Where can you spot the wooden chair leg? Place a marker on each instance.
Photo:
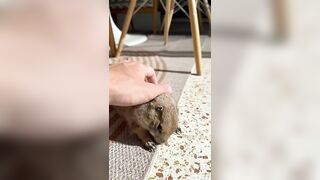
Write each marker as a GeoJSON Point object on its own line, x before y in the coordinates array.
{"type": "Point", "coordinates": [171, 13]}
{"type": "Point", "coordinates": [125, 26]}
{"type": "Point", "coordinates": [195, 35]}
{"type": "Point", "coordinates": [132, 25]}
{"type": "Point", "coordinates": [112, 43]}
{"type": "Point", "coordinates": [200, 18]}
{"type": "Point", "coordinates": [280, 18]}
{"type": "Point", "coordinates": [162, 26]}
{"type": "Point", "coordinates": [207, 10]}
{"type": "Point", "coordinates": [155, 16]}
{"type": "Point", "coordinates": [168, 19]}
{"type": "Point", "coordinates": [162, 20]}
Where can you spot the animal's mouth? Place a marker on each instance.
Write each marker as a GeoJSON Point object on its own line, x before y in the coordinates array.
{"type": "Point", "coordinates": [157, 140]}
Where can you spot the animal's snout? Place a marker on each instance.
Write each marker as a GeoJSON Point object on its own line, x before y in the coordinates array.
{"type": "Point", "coordinates": [160, 140]}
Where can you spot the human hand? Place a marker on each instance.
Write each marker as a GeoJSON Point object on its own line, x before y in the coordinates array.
{"type": "Point", "coordinates": [132, 83]}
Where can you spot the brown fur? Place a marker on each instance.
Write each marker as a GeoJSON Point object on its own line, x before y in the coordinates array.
{"type": "Point", "coordinates": [144, 120]}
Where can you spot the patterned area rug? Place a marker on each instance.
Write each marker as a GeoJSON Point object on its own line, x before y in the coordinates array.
{"type": "Point", "coordinates": [127, 158]}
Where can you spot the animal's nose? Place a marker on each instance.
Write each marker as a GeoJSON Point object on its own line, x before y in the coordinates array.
{"type": "Point", "coordinates": [160, 141]}
{"type": "Point", "coordinates": [164, 140]}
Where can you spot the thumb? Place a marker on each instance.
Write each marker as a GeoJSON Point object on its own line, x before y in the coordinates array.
{"type": "Point", "coordinates": [164, 88]}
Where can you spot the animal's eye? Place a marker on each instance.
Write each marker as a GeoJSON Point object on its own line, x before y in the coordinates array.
{"type": "Point", "coordinates": [159, 108]}
{"type": "Point", "coordinates": [159, 128]}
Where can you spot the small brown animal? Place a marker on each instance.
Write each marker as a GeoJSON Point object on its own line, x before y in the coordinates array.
{"type": "Point", "coordinates": [153, 122]}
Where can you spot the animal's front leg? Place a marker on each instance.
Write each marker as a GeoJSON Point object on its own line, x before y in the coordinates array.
{"type": "Point", "coordinates": [145, 137]}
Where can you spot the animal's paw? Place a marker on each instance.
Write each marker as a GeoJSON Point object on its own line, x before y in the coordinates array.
{"type": "Point", "coordinates": [151, 146]}
{"type": "Point", "coordinates": [178, 130]}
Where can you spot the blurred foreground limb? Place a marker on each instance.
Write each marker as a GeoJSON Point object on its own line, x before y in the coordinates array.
{"type": "Point", "coordinates": [53, 90]}
{"type": "Point", "coordinates": [53, 68]}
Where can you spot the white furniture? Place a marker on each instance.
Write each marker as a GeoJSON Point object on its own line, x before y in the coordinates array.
{"type": "Point", "coordinates": [131, 39]}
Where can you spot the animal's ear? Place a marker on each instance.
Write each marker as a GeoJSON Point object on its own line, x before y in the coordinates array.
{"type": "Point", "coordinates": [159, 108]}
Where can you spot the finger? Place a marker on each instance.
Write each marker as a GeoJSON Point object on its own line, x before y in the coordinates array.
{"type": "Point", "coordinates": [150, 75]}
{"type": "Point", "coordinates": [152, 90]}
{"type": "Point", "coordinates": [146, 92]}
{"type": "Point", "coordinates": [166, 87]}
{"type": "Point", "coordinates": [151, 79]}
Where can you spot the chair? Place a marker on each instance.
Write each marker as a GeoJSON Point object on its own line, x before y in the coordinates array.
{"type": "Point", "coordinates": [203, 7]}
{"type": "Point", "coordinates": [169, 12]}
{"type": "Point", "coordinates": [193, 9]}
{"type": "Point", "coordinates": [144, 6]}
{"type": "Point", "coordinates": [112, 43]}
